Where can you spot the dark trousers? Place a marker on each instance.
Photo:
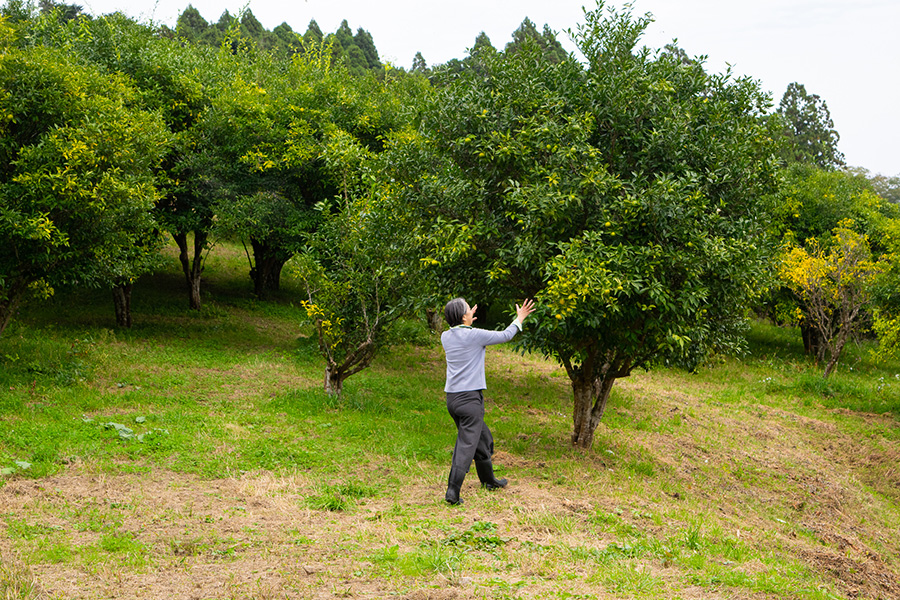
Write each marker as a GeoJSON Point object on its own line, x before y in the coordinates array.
{"type": "Point", "coordinates": [473, 438]}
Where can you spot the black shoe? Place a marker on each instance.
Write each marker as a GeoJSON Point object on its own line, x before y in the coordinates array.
{"type": "Point", "coordinates": [454, 483]}
{"type": "Point", "coordinates": [486, 474]}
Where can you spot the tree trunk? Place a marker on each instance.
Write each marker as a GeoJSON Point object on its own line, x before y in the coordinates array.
{"type": "Point", "coordinates": [9, 302]}
{"type": "Point", "coordinates": [122, 301]}
{"type": "Point", "coordinates": [591, 394]}
{"type": "Point", "coordinates": [334, 381]}
{"type": "Point", "coordinates": [266, 272]}
{"type": "Point", "coordinates": [192, 266]}
{"type": "Point", "coordinates": [813, 343]}
{"type": "Point", "coordinates": [435, 320]}
{"type": "Point", "coordinates": [835, 349]}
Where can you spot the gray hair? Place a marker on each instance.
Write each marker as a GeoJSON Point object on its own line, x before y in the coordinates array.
{"type": "Point", "coordinates": [454, 312]}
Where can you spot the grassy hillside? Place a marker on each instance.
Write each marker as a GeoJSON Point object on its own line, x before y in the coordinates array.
{"type": "Point", "coordinates": [195, 456]}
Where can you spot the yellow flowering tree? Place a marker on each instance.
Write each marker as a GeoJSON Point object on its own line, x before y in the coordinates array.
{"type": "Point", "coordinates": [814, 202]}
{"type": "Point", "coordinates": [834, 284]}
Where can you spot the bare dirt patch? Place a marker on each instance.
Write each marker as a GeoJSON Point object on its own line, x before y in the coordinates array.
{"type": "Point", "coordinates": [793, 477]}
{"type": "Point", "coordinates": [254, 537]}
{"type": "Point", "coordinates": [780, 484]}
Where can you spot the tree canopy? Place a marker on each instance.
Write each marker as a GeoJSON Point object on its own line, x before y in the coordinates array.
{"type": "Point", "coordinates": [78, 162]}
{"type": "Point", "coordinates": [626, 194]}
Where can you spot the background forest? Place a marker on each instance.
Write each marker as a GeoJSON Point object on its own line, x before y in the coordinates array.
{"type": "Point", "coordinates": [666, 220]}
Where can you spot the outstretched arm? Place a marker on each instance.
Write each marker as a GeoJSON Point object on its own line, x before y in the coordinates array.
{"type": "Point", "coordinates": [489, 338]}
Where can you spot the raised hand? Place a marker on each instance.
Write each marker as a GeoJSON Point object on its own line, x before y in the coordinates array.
{"type": "Point", "coordinates": [526, 309]}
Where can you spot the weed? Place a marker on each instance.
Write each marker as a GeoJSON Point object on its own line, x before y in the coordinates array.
{"type": "Point", "coordinates": [626, 578]}
{"type": "Point", "coordinates": [551, 522]}
{"type": "Point", "coordinates": [420, 562]}
{"type": "Point", "coordinates": [19, 529]}
{"type": "Point", "coordinates": [17, 582]}
{"type": "Point", "coordinates": [480, 536]}
{"type": "Point", "coordinates": [339, 497]}
{"type": "Point", "coordinates": [693, 538]}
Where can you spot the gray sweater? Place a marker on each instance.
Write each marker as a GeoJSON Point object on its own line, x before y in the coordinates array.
{"type": "Point", "coordinates": [464, 348]}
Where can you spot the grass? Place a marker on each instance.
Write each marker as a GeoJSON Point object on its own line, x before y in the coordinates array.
{"type": "Point", "coordinates": [201, 442]}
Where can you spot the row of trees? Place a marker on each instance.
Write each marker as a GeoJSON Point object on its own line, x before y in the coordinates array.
{"type": "Point", "coordinates": [648, 206]}
{"type": "Point", "coordinates": [357, 51]}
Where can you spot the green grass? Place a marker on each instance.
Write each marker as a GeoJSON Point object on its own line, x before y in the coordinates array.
{"type": "Point", "coordinates": [752, 476]}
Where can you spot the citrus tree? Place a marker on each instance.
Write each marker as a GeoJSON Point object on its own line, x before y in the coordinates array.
{"type": "Point", "coordinates": [283, 136]}
{"type": "Point", "coordinates": [360, 268]}
{"type": "Point", "coordinates": [626, 194]}
{"type": "Point", "coordinates": [172, 80]}
{"type": "Point", "coordinates": [360, 276]}
{"type": "Point", "coordinates": [77, 161]}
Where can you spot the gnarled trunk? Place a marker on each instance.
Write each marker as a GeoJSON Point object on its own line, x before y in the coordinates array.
{"type": "Point", "coordinates": [813, 342]}
{"type": "Point", "coordinates": [591, 395]}
{"type": "Point", "coordinates": [435, 320]}
{"type": "Point", "coordinates": [122, 302]}
{"type": "Point", "coordinates": [192, 266]}
{"type": "Point", "coordinates": [334, 381]}
{"type": "Point", "coordinates": [353, 363]}
{"type": "Point", "coordinates": [592, 382]}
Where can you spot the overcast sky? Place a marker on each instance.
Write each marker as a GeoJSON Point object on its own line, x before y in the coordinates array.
{"type": "Point", "coordinates": [846, 52]}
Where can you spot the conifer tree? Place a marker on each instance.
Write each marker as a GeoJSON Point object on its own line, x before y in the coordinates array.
{"type": "Point", "coordinates": [363, 40]}
{"type": "Point", "coordinates": [419, 65]}
{"type": "Point", "coordinates": [191, 25]}
{"type": "Point", "coordinates": [809, 128]}
{"type": "Point", "coordinates": [313, 34]}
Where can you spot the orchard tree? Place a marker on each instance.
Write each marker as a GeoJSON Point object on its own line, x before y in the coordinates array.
{"type": "Point", "coordinates": [284, 137]}
{"type": "Point", "coordinates": [360, 277]}
{"type": "Point", "coordinates": [627, 194]}
{"type": "Point", "coordinates": [77, 162]}
{"type": "Point", "coordinates": [173, 80]}
{"type": "Point", "coordinates": [243, 137]}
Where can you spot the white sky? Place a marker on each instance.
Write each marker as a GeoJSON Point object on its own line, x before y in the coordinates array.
{"type": "Point", "coordinates": [844, 51]}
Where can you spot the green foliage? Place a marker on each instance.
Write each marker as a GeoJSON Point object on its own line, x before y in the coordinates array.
{"type": "Point", "coordinates": [170, 79]}
{"type": "Point", "coordinates": [284, 137]}
{"type": "Point", "coordinates": [809, 129]}
{"type": "Point", "coordinates": [626, 194]}
{"type": "Point", "coordinates": [78, 177]}
{"type": "Point", "coordinates": [814, 201]}
{"type": "Point", "coordinates": [360, 276]}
